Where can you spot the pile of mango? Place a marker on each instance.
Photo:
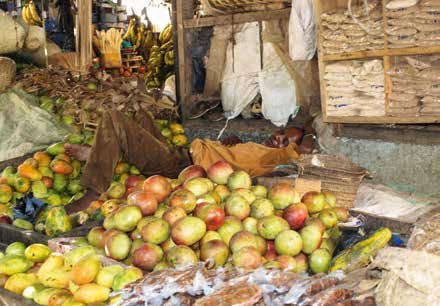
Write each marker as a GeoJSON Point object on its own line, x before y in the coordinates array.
{"type": "Point", "coordinates": [173, 132]}
{"type": "Point", "coordinates": [75, 278]}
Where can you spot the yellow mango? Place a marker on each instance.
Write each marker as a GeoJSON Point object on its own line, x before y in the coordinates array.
{"type": "Point", "coordinates": [20, 281]}
{"type": "Point", "coordinates": [85, 270]}
{"type": "Point", "coordinates": [91, 293]}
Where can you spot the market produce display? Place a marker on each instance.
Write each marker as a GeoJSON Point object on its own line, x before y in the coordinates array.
{"type": "Point", "coordinates": [219, 216]}
{"type": "Point", "coordinates": [84, 101]}
{"type": "Point", "coordinates": [415, 86]}
{"type": "Point", "coordinates": [158, 52]}
{"type": "Point", "coordinates": [342, 32]}
{"type": "Point", "coordinates": [173, 132]}
{"type": "Point", "coordinates": [75, 278]}
{"type": "Point", "coordinates": [355, 88]}
{"type": "Point", "coordinates": [412, 23]}
{"type": "Point", "coordinates": [30, 14]}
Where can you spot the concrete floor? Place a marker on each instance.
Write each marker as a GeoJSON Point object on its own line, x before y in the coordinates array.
{"type": "Point", "coordinates": [406, 166]}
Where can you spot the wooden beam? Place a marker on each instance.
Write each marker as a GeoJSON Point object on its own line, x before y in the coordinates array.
{"type": "Point", "coordinates": [382, 120]}
{"type": "Point", "coordinates": [237, 18]}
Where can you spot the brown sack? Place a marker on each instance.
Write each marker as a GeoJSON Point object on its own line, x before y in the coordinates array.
{"type": "Point", "coordinates": [251, 157]}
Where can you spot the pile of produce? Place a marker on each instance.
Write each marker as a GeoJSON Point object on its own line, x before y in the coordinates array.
{"type": "Point", "coordinates": [75, 278]}
{"type": "Point", "coordinates": [219, 216]}
{"type": "Point", "coordinates": [173, 132]}
{"type": "Point", "coordinates": [83, 102]}
{"type": "Point", "coordinates": [158, 52]}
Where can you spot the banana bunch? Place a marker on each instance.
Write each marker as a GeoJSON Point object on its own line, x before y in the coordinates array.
{"type": "Point", "coordinates": [30, 14]}
{"type": "Point", "coordinates": [166, 35]}
{"type": "Point", "coordinates": [139, 35]}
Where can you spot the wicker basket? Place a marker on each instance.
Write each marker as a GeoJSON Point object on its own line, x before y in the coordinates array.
{"type": "Point", "coordinates": [231, 6]}
{"type": "Point", "coordinates": [337, 174]}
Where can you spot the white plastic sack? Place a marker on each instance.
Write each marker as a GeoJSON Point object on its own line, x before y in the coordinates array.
{"type": "Point", "coordinates": [169, 88]}
{"type": "Point", "coordinates": [302, 31]}
{"type": "Point", "coordinates": [12, 34]}
{"type": "Point", "coordinates": [243, 78]}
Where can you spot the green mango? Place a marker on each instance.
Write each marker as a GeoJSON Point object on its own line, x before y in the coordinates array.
{"type": "Point", "coordinates": [57, 222]}
{"type": "Point", "coordinates": [107, 274]}
{"type": "Point", "coordinates": [65, 199]}
{"type": "Point", "coordinates": [10, 175]}
{"type": "Point", "coordinates": [134, 171]}
{"type": "Point", "coordinates": [59, 182]}
{"type": "Point", "coordinates": [75, 138]}
{"type": "Point", "coordinates": [13, 264]}
{"type": "Point", "coordinates": [89, 140]}
{"type": "Point", "coordinates": [8, 170]}
{"type": "Point", "coordinates": [42, 297]}
{"type": "Point", "coordinates": [68, 120]}
{"type": "Point", "coordinates": [15, 248]}
{"type": "Point", "coordinates": [72, 257]}
{"type": "Point", "coordinates": [54, 200]}
{"type": "Point", "coordinates": [76, 165]}
{"type": "Point", "coordinates": [74, 186]}
{"type": "Point", "coordinates": [45, 171]}
{"type": "Point", "coordinates": [56, 149]}
{"type": "Point", "coordinates": [128, 276]}
{"type": "Point", "coordinates": [20, 223]}
{"type": "Point", "coordinates": [39, 190]}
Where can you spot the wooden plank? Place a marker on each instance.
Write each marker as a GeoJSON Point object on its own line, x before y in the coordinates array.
{"type": "Point", "coordinates": [382, 120]}
{"type": "Point", "coordinates": [380, 53]}
{"type": "Point", "coordinates": [236, 18]}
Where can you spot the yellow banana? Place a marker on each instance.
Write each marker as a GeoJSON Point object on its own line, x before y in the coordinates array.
{"type": "Point", "coordinates": [33, 13]}
{"type": "Point", "coordinates": [25, 15]}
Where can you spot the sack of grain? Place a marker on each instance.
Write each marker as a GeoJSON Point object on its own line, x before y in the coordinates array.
{"type": "Point", "coordinates": [405, 12]}
{"type": "Point", "coordinates": [400, 4]}
{"type": "Point", "coordinates": [409, 103]}
{"type": "Point", "coordinates": [432, 74]}
{"type": "Point", "coordinates": [401, 96]}
{"type": "Point", "coordinates": [12, 34]}
{"type": "Point", "coordinates": [7, 73]}
{"type": "Point", "coordinates": [35, 38]}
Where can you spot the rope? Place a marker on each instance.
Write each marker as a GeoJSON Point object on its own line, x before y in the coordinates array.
{"type": "Point", "coordinates": [223, 129]}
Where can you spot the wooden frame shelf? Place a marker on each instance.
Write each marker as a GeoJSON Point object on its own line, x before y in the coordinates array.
{"type": "Point", "coordinates": [384, 54]}
{"type": "Point", "coordinates": [236, 18]}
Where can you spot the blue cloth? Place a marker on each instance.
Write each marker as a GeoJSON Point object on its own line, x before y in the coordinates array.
{"type": "Point", "coordinates": [28, 208]}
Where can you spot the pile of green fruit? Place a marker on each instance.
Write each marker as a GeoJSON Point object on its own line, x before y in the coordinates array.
{"type": "Point", "coordinates": [173, 132]}
{"type": "Point", "coordinates": [219, 215]}
{"type": "Point", "coordinates": [75, 278]}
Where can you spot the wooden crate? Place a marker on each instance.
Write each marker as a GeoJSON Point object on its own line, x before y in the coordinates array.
{"type": "Point", "coordinates": [384, 53]}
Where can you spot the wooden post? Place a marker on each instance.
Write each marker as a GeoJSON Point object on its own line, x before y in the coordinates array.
{"type": "Point", "coordinates": [184, 10]}
{"type": "Point", "coordinates": [84, 36]}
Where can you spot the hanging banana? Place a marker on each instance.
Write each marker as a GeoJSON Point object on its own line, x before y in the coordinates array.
{"type": "Point", "coordinates": [33, 13]}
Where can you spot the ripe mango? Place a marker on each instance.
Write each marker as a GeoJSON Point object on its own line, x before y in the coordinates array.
{"type": "Point", "coordinates": [5, 193]}
{"type": "Point", "coordinates": [56, 149]}
{"type": "Point", "coordinates": [54, 200]}
{"type": "Point", "coordinates": [72, 257]}
{"type": "Point", "coordinates": [61, 166]}
{"type": "Point", "coordinates": [42, 297]}
{"type": "Point", "coordinates": [85, 270]}
{"type": "Point", "coordinates": [31, 162]}
{"type": "Point", "coordinates": [13, 264]}
{"type": "Point", "coordinates": [91, 293]}
{"type": "Point", "coordinates": [57, 278]}
{"type": "Point", "coordinates": [59, 298]}
{"type": "Point", "coordinates": [22, 184]}
{"type": "Point", "coordinates": [43, 159]}
{"type": "Point", "coordinates": [63, 156]}
{"type": "Point", "coordinates": [53, 262]}
{"type": "Point", "coordinates": [76, 166]}
{"type": "Point", "coordinates": [20, 281]}
{"type": "Point", "coordinates": [128, 276]}
{"type": "Point", "coordinates": [59, 182]}
{"type": "Point", "coordinates": [30, 172]}
{"type": "Point", "coordinates": [45, 171]}
{"type": "Point", "coordinates": [39, 190]}
{"type": "Point", "coordinates": [122, 168]}
{"type": "Point", "coordinates": [107, 274]}
{"type": "Point", "coordinates": [37, 252]}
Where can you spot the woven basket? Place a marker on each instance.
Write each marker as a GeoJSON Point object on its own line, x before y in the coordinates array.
{"type": "Point", "coordinates": [337, 174]}
{"type": "Point", "coordinates": [230, 6]}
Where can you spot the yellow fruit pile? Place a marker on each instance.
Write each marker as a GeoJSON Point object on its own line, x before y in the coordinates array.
{"type": "Point", "coordinates": [47, 278]}
{"type": "Point", "coordinates": [30, 14]}
{"type": "Point", "coordinates": [173, 132]}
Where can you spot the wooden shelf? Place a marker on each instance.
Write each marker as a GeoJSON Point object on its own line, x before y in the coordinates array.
{"type": "Point", "coordinates": [382, 120]}
{"type": "Point", "coordinates": [236, 18]}
{"type": "Point", "coordinates": [380, 53]}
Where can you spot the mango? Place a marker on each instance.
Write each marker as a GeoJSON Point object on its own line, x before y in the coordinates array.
{"type": "Point", "coordinates": [54, 200]}
{"type": "Point", "coordinates": [59, 182]}
{"type": "Point", "coordinates": [5, 193]}
{"type": "Point", "coordinates": [45, 171]}
{"type": "Point", "coordinates": [31, 162]}
{"type": "Point", "coordinates": [75, 138]}
{"type": "Point", "coordinates": [39, 190]}
{"type": "Point", "coordinates": [15, 248]}
{"type": "Point", "coordinates": [76, 166]}
{"type": "Point", "coordinates": [86, 269]}
{"type": "Point", "coordinates": [72, 257]}
{"type": "Point", "coordinates": [130, 275]}
{"type": "Point", "coordinates": [30, 291]}
{"type": "Point", "coordinates": [59, 298]}
{"type": "Point", "coordinates": [43, 159]}
{"type": "Point", "coordinates": [22, 184]}
{"type": "Point", "coordinates": [57, 278]}
{"type": "Point", "coordinates": [30, 172]}
{"type": "Point", "coordinates": [74, 186]}
{"type": "Point", "coordinates": [42, 297]}
{"type": "Point", "coordinates": [122, 168]}
{"type": "Point", "coordinates": [52, 263]}
{"type": "Point", "coordinates": [63, 156]}
{"type": "Point", "coordinates": [107, 274]}
{"type": "Point", "coordinates": [37, 252]}
{"type": "Point", "coordinates": [61, 166]}
{"type": "Point", "coordinates": [20, 223]}
{"type": "Point", "coordinates": [56, 149]}
{"type": "Point", "coordinates": [20, 281]}
{"type": "Point", "coordinates": [8, 171]}
{"type": "Point", "coordinates": [91, 293]}
{"type": "Point", "coordinates": [13, 264]}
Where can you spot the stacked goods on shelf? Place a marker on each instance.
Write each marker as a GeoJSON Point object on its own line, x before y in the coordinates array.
{"type": "Point", "coordinates": [355, 88]}
{"type": "Point", "coordinates": [340, 32]}
{"type": "Point", "coordinates": [413, 23]}
{"type": "Point", "coordinates": [415, 89]}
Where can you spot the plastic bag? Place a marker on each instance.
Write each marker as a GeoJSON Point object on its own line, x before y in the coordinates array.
{"type": "Point", "coordinates": [12, 34]}
{"type": "Point", "coordinates": [25, 127]}
{"type": "Point", "coordinates": [302, 41]}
